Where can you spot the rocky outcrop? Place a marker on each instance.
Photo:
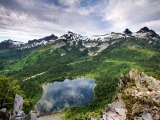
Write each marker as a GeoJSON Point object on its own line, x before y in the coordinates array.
{"type": "Point", "coordinates": [144, 29]}
{"type": "Point", "coordinates": [17, 113]}
{"type": "Point", "coordinates": [48, 38]}
{"type": "Point", "coordinates": [3, 114]}
{"type": "Point", "coordinates": [148, 32]}
{"type": "Point", "coordinates": [51, 117]}
{"type": "Point", "coordinates": [116, 110]}
{"type": "Point", "coordinates": [138, 98]}
{"type": "Point", "coordinates": [32, 115]}
{"type": "Point", "coordinates": [127, 31]}
{"type": "Point", "coordinates": [7, 44]}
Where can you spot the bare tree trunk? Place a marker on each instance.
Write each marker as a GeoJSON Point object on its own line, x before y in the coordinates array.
{"type": "Point", "coordinates": [4, 100]}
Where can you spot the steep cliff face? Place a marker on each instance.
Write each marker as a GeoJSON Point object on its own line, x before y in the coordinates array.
{"type": "Point", "coordinates": [138, 98]}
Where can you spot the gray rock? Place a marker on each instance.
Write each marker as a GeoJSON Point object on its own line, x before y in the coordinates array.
{"type": "Point", "coordinates": [147, 116]}
{"type": "Point", "coordinates": [117, 111]}
{"type": "Point", "coordinates": [17, 113]}
{"type": "Point", "coordinates": [18, 103]}
{"type": "Point", "coordinates": [3, 114]}
{"type": "Point", "coordinates": [3, 110]}
{"type": "Point", "coordinates": [145, 93]}
{"type": "Point", "coordinates": [93, 119]}
{"type": "Point", "coordinates": [32, 116]}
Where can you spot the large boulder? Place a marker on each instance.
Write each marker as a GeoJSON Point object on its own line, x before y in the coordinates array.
{"type": "Point", "coordinates": [3, 114]}
{"type": "Point", "coordinates": [32, 116]}
{"type": "Point", "coordinates": [115, 110]}
{"type": "Point", "coordinates": [17, 112]}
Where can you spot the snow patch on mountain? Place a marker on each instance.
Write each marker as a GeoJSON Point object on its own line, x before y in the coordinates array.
{"type": "Point", "coordinates": [6, 44]}
{"type": "Point", "coordinates": [86, 41]}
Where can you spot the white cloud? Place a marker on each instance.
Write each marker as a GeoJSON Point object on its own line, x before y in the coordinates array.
{"type": "Point", "coordinates": [154, 25]}
{"type": "Point", "coordinates": [132, 14]}
{"type": "Point", "coordinates": [46, 19]}
{"type": "Point", "coordinates": [69, 2]}
{"type": "Point", "coordinates": [41, 18]}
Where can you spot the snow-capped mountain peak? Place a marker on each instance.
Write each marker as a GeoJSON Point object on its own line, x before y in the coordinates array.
{"type": "Point", "coordinates": [87, 41]}
{"type": "Point", "coordinates": [107, 37]}
{"type": "Point", "coordinates": [31, 43]}
{"type": "Point", "coordinates": [147, 33]}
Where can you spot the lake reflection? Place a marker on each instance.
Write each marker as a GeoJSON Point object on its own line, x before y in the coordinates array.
{"type": "Point", "coordinates": [62, 94]}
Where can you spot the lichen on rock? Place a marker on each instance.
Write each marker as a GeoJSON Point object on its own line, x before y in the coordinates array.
{"type": "Point", "coordinates": [138, 99]}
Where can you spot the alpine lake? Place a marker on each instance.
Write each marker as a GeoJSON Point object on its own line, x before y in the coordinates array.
{"type": "Point", "coordinates": [62, 94]}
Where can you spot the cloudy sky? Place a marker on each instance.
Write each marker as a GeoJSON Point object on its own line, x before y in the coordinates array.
{"type": "Point", "coordinates": [24, 20]}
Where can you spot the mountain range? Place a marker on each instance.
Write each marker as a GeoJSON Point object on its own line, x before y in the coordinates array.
{"type": "Point", "coordinates": [101, 57]}
{"type": "Point", "coordinates": [73, 38]}
{"type": "Point", "coordinates": [6, 44]}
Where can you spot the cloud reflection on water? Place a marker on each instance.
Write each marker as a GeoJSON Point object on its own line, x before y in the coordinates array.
{"type": "Point", "coordinates": [60, 95]}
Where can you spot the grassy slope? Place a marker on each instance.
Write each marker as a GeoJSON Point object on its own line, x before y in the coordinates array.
{"type": "Point", "coordinates": [12, 56]}
{"type": "Point", "coordinates": [104, 68]}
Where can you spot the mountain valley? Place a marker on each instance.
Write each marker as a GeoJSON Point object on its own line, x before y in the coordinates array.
{"type": "Point", "coordinates": [101, 57]}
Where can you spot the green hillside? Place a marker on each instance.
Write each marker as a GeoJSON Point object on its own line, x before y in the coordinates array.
{"type": "Point", "coordinates": [46, 64]}
{"type": "Point", "coordinates": [12, 56]}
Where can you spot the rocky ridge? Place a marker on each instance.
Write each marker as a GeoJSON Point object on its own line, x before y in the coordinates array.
{"type": "Point", "coordinates": [6, 44]}
{"type": "Point", "coordinates": [142, 33]}
{"type": "Point", "coordinates": [138, 98]}
{"type": "Point", "coordinates": [17, 113]}
{"type": "Point", "coordinates": [93, 41]}
{"type": "Point", "coordinates": [100, 41]}
{"type": "Point", "coordinates": [146, 33]}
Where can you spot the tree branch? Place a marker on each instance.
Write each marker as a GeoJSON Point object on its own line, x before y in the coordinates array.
{"type": "Point", "coordinates": [8, 104]}
{"type": "Point", "coordinates": [4, 100]}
